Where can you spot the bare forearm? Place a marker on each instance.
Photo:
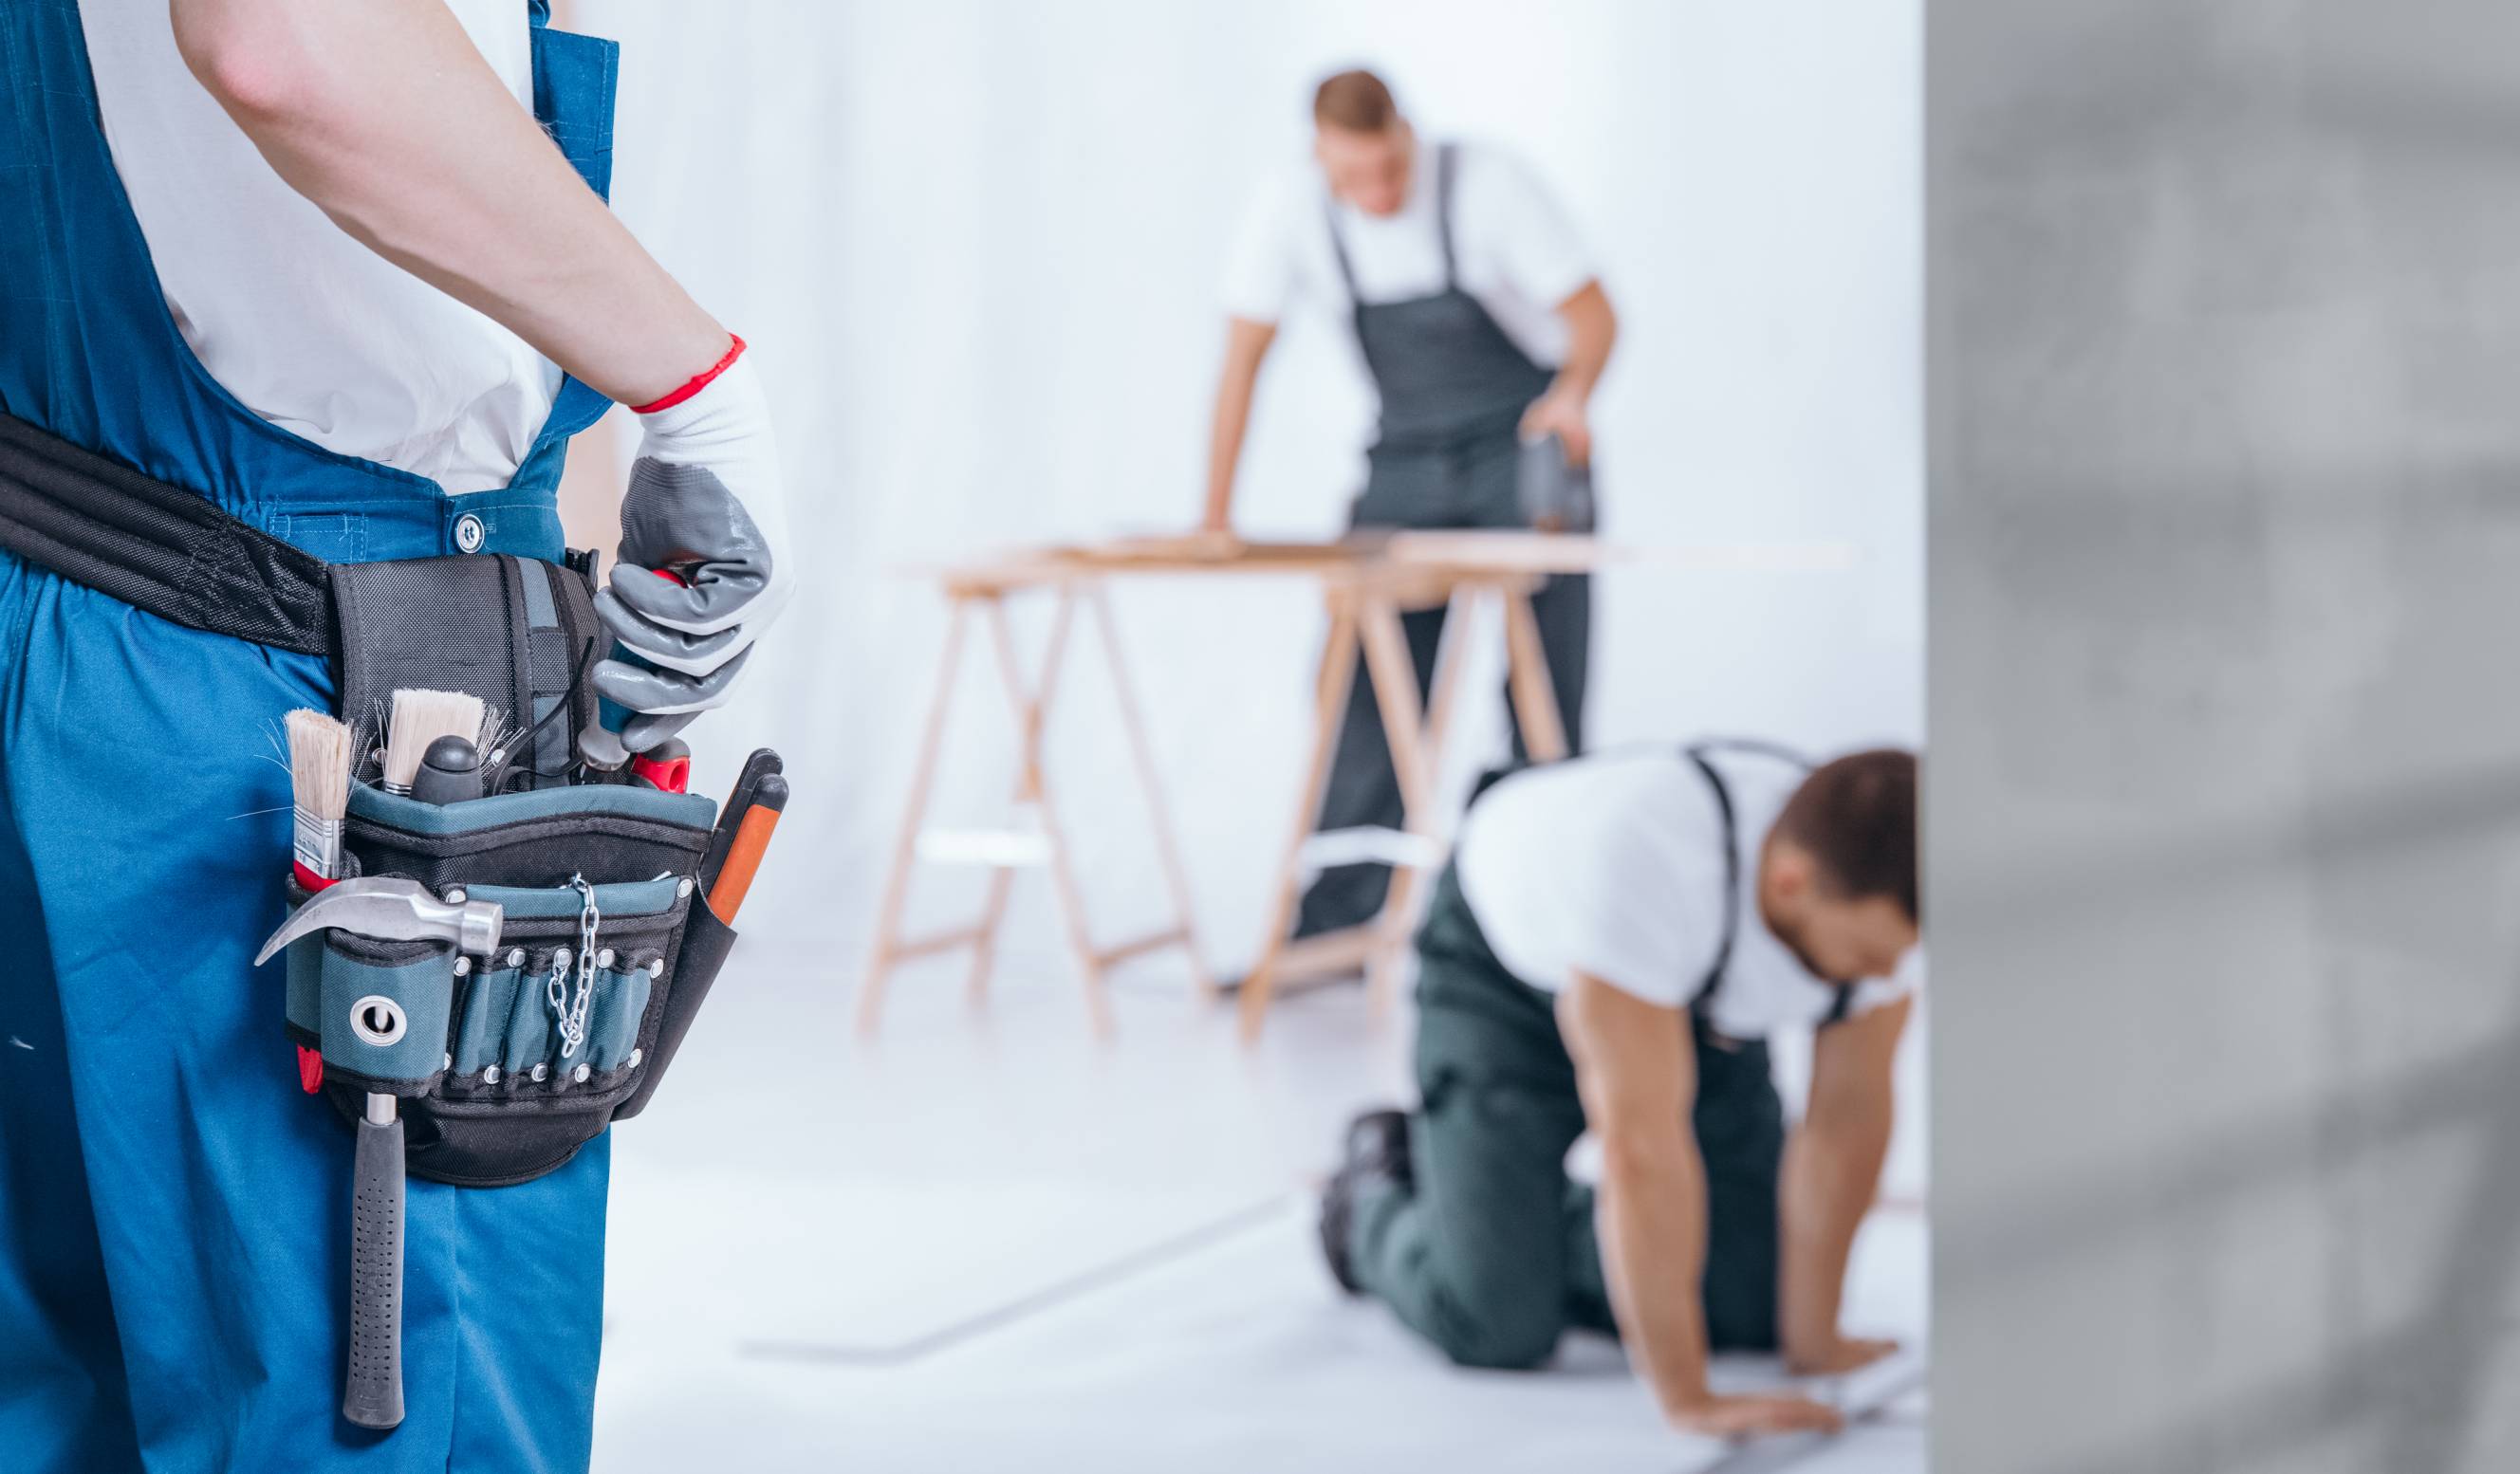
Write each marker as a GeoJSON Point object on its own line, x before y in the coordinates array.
{"type": "Point", "coordinates": [1225, 440]}
{"type": "Point", "coordinates": [1651, 1221]}
{"type": "Point", "coordinates": [386, 118]}
{"type": "Point", "coordinates": [1830, 1179]}
{"type": "Point", "coordinates": [1592, 332]}
{"type": "Point", "coordinates": [1246, 344]}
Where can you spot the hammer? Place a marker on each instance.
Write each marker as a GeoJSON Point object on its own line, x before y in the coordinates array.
{"type": "Point", "coordinates": [387, 908]}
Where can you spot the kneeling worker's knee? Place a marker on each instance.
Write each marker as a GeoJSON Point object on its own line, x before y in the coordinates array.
{"type": "Point", "coordinates": [1512, 1341]}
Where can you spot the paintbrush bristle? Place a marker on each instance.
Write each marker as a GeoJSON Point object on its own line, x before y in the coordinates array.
{"type": "Point", "coordinates": [319, 762]}
{"type": "Point", "coordinates": [420, 718]}
{"type": "Point", "coordinates": [319, 784]}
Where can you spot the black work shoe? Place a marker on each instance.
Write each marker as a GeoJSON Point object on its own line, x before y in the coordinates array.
{"type": "Point", "coordinates": [1376, 1153]}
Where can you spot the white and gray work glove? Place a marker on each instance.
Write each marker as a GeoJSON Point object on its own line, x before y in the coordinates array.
{"type": "Point", "coordinates": [704, 506]}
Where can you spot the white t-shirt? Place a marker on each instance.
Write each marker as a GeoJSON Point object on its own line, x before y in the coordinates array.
{"type": "Point", "coordinates": [304, 325]}
{"type": "Point", "coordinates": [1613, 864]}
{"type": "Point", "coordinates": [1512, 248]}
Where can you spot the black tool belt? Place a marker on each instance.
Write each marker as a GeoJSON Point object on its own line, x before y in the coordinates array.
{"type": "Point", "coordinates": [506, 1062]}
{"type": "Point", "coordinates": [515, 632]}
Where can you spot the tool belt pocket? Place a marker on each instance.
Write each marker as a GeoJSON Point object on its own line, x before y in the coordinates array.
{"type": "Point", "coordinates": [507, 1062]}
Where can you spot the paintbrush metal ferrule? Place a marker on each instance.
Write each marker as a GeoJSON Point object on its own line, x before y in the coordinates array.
{"type": "Point", "coordinates": [317, 846]}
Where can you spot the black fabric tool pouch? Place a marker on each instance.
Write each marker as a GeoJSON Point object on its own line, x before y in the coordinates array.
{"type": "Point", "coordinates": [516, 632]}
{"type": "Point", "coordinates": [507, 1062]}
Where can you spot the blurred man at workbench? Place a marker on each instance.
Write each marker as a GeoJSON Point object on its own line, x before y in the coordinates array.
{"type": "Point", "coordinates": [1483, 329]}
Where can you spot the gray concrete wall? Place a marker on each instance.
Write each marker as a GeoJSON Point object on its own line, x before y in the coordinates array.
{"type": "Point", "coordinates": [2224, 820]}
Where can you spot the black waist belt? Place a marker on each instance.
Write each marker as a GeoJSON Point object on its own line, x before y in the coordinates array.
{"type": "Point", "coordinates": [156, 546]}
{"type": "Point", "coordinates": [515, 632]}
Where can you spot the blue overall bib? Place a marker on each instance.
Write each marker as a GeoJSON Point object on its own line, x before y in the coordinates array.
{"type": "Point", "coordinates": [174, 1212]}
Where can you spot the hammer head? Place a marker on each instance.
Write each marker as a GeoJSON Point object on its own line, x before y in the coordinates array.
{"type": "Point", "coordinates": [391, 909]}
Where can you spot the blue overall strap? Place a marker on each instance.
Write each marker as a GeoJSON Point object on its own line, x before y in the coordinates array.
{"type": "Point", "coordinates": [574, 78]}
{"type": "Point", "coordinates": [90, 352]}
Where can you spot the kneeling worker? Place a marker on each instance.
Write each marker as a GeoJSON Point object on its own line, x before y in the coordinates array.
{"type": "Point", "coordinates": [1616, 938]}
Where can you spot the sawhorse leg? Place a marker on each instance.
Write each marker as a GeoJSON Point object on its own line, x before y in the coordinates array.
{"type": "Point", "coordinates": [1030, 706]}
{"type": "Point", "coordinates": [1330, 705]}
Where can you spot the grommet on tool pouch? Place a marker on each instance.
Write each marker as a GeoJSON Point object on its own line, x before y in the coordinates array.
{"type": "Point", "coordinates": [378, 1020]}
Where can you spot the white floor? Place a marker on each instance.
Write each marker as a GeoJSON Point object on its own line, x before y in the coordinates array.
{"type": "Point", "coordinates": [987, 1242]}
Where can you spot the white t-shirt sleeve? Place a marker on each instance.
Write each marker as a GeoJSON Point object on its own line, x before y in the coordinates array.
{"type": "Point", "coordinates": [1261, 270]}
{"type": "Point", "coordinates": [1881, 992]}
{"type": "Point", "coordinates": [1516, 220]}
{"type": "Point", "coordinates": [1607, 870]}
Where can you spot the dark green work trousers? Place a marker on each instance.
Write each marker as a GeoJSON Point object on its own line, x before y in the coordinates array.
{"type": "Point", "coordinates": [1491, 1255]}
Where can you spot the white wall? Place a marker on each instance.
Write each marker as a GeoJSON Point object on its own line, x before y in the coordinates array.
{"type": "Point", "coordinates": [976, 246]}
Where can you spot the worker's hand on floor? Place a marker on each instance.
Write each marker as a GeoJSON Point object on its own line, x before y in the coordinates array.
{"type": "Point", "coordinates": [1753, 1414]}
{"type": "Point", "coordinates": [704, 507]}
{"type": "Point", "coordinates": [1836, 1356]}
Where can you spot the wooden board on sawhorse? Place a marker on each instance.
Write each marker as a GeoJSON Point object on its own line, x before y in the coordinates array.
{"type": "Point", "coordinates": [982, 594]}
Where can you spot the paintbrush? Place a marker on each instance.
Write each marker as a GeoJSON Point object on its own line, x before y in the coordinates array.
{"type": "Point", "coordinates": [319, 783]}
{"type": "Point", "coordinates": [420, 718]}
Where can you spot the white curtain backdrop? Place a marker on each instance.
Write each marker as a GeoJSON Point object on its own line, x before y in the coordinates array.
{"type": "Point", "coordinates": [976, 247]}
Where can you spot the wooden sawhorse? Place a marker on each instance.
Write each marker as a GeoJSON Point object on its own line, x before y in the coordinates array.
{"type": "Point", "coordinates": [1365, 603]}
{"type": "Point", "coordinates": [982, 593]}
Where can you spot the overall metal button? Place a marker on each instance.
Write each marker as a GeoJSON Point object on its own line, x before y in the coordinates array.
{"type": "Point", "coordinates": [468, 533]}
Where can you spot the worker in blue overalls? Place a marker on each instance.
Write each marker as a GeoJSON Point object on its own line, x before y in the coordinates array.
{"type": "Point", "coordinates": [338, 271]}
{"type": "Point", "coordinates": [1479, 319]}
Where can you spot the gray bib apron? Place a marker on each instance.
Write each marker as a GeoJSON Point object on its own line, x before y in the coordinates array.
{"type": "Point", "coordinates": [1454, 389]}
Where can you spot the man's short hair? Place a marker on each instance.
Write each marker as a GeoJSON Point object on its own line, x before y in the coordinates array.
{"type": "Point", "coordinates": [1857, 816]}
{"type": "Point", "coordinates": [1355, 102]}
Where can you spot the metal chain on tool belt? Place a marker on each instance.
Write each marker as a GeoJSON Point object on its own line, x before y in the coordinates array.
{"type": "Point", "coordinates": [572, 1012]}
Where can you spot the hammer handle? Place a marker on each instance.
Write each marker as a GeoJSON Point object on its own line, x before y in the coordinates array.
{"type": "Point", "coordinates": [373, 1397]}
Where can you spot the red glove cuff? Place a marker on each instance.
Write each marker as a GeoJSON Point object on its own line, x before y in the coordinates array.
{"type": "Point", "coordinates": [698, 382]}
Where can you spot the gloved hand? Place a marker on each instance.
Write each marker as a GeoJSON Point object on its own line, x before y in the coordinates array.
{"type": "Point", "coordinates": [704, 506]}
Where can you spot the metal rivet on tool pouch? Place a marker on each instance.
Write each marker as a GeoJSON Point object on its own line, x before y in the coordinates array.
{"type": "Point", "coordinates": [656, 969]}
{"type": "Point", "coordinates": [541, 1072]}
{"type": "Point", "coordinates": [635, 1056]}
{"type": "Point", "coordinates": [581, 1072]}
{"type": "Point", "coordinates": [468, 533]}
{"type": "Point", "coordinates": [516, 957]}
{"type": "Point", "coordinates": [604, 959]}
{"type": "Point", "coordinates": [449, 1064]}
{"type": "Point", "coordinates": [490, 1076]}
{"type": "Point", "coordinates": [454, 895]}
{"type": "Point", "coordinates": [463, 967]}
{"type": "Point", "coordinates": [682, 887]}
